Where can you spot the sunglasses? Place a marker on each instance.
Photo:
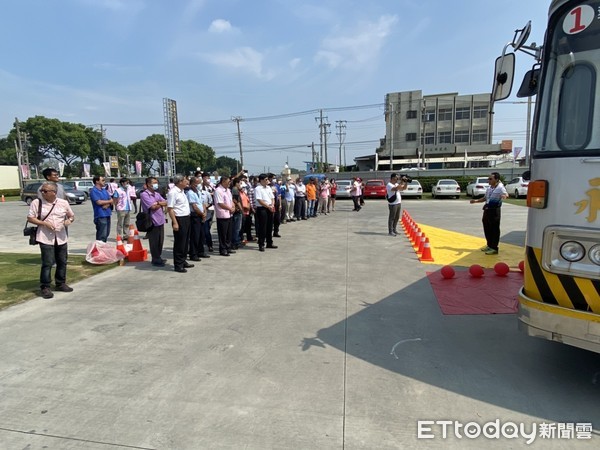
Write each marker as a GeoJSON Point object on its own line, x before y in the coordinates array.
{"type": "Point", "coordinates": [44, 191]}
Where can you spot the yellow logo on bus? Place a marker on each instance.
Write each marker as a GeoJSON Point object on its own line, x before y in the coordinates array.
{"type": "Point", "coordinates": [592, 202]}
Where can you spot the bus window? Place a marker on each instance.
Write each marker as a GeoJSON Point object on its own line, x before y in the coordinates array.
{"type": "Point", "coordinates": [576, 107]}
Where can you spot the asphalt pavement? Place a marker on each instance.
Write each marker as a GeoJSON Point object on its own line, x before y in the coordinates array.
{"type": "Point", "coordinates": [334, 340]}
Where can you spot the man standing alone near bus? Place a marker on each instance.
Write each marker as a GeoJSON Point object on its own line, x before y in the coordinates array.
{"type": "Point", "coordinates": [493, 197]}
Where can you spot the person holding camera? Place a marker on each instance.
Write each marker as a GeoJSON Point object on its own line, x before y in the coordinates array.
{"type": "Point", "coordinates": [493, 197]}
{"type": "Point", "coordinates": [394, 198]}
{"type": "Point", "coordinates": [52, 216]}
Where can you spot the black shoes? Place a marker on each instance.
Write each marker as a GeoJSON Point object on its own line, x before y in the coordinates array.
{"type": "Point", "coordinates": [47, 292]}
{"type": "Point", "coordinates": [272, 246]}
{"type": "Point", "coordinates": [231, 251]}
{"type": "Point", "coordinates": [187, 265]}
{"type": "Point", "coordinates": [261, 249]}
{"type": "Point", "coordinates": [204, 255]}
{"type": "Point", "coordinates": [64, 288]}
{"type": "Point", "coordinates": [194, 258]}
{"type": "Point", "coordinates": [210, 249]}
{"type": "Point", "coordinates": [180, 270]}
{"type": "Point", "coordinates": [224, 254]}
{"type": "Point", "coordinates": [276, 235]}
{"type": "Point", "coordinates": [158, 264]}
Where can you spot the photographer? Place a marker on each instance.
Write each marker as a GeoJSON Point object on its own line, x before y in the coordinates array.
{"type": "Point", "coordinates": [393, 189]}
{"type": "Point", "coordinates": [52, 216]}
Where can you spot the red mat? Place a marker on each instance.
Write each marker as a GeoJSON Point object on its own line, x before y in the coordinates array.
{"type": "Point", "coordinates": [464, 294]}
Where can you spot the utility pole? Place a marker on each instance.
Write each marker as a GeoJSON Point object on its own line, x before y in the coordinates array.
{"type": "Point", "coordinates": [323, 138]}
{"type": "Point", "coordinates": [393, 125]}
{"type": "Point", "coordinates": [103, 142]}
{"type": "Point", "coordinates": [22, 143]}
{"type": "Point", "coordinates": [340, 126]}
{"type": "Point", "coordinates": [237, 120]}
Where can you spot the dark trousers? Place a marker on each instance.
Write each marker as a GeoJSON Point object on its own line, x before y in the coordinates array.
{"type": "Point", "coordinates": [356, 200]}
{"type": "Point", "coordinates": [102, 228]}
{"type": "Point", "coordinates": [276, 216]}
{"type": "Point", "coordinates": [156, 239]}
{"type": "Point", "coordinates": [394, 217]}
{"type": "Point", "coordinates": [491, 227]}
{"type": "Point", "coordinates": [207, 234]}
{"type": "Point", "coordinates": [264, 226]}
{"type": "Point", "coordinates": [300, 207]}
{"type": "Point", "coordinates": [181, 239]}
{"type": "Point", "coordinates": [224, 229]}
{"type": "Point", "coordinates": [196, 236]}
{"type": "Point", "coordinates": [247, 226]}
{"type": "Point", "coordinates": [53, 254]}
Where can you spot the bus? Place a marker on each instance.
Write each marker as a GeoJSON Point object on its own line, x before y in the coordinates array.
{"type": "Point", "coordinates": [560, 297]}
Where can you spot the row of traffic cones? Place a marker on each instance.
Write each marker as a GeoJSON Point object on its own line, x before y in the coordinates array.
{"type": "Point", "coordinates": [417, 238]}
{"type": "Point", "coordinates": [137, 252]}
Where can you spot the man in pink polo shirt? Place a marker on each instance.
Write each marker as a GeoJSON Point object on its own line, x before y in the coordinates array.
{"type": "Point", "coordinates": [224, 208]}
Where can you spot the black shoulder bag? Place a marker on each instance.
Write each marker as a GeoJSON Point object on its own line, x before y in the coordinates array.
{"type": "Point", "coordinates": [32, 231]}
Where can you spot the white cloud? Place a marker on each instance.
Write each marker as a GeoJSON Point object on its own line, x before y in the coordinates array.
{"type": "Point", "coordinates": [357, 47]}
{"type": "Point", "coordinates": [295, 62]}
{"type": "Point", "coordinates": [221, 26]}
{"type": "Point", "coordinates": [245, 58]}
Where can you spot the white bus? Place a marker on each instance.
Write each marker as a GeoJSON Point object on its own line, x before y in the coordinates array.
{"type": "Point", "coordinates": [560, 299]}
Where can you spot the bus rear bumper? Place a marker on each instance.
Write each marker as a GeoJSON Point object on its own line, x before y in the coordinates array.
{"type": "Point", "coordinates": [555, 323]}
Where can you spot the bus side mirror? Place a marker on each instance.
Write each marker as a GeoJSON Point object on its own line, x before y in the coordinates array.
{"type": "Point", "coordinates": [529, 86]}
{"type": "Point", "coordinates": [503, 76]}
{"type": "Point", "coordinates": [527, 175]}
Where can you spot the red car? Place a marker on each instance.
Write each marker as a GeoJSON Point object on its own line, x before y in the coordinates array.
{"type": "Point", "coordinates": [375, 189]}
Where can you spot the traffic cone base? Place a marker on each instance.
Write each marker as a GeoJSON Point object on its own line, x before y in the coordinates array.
{"type": "Point", "coordinates": [426, 256]}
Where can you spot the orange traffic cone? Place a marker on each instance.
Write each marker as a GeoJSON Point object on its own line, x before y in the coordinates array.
{"type": "Point", "coordinates": [417, 238]}
{"type": "Point", "coordinates": [138, 253]}
{"type": "Point", "coordinates": [131, 235]}
{"type": "Point", "coordinates": [421, 244]}
{"type": "Point", "coordinates": [137, 243]}
{"type": "Point", "coordinates": [426, 256]}
{"type": "Point", "coordinates": [120, 246]}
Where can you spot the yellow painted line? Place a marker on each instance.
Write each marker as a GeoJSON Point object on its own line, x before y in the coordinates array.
{"type": "Point", "coordinates": [458, 249]}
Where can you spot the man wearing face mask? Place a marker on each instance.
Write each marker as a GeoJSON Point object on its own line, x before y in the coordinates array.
{"type": "Point", "coordinates": [153, 203]}
{"type": "Point", "coordinates": [123, 206]}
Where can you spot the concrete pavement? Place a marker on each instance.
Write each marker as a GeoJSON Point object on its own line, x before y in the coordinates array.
{"type": "Point", "coordinates": [334, 340]}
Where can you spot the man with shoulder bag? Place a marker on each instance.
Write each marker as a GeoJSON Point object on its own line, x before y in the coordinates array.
{"type": "Point", "coordinates": [52, 216]}
{"type": "Point", "coordinates": [394, 198]}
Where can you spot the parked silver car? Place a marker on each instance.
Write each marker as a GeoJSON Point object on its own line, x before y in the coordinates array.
{"type": "Point", "coordinates": [477, 187]}
{"type": "Point", "coordinates": [446, 188]}
{"type": "Point", "coordinates": [517, 187]}
{"type": "Point", "coordinates": [79, 185]}
{"type": "Point", "coordinates": [343, 188]}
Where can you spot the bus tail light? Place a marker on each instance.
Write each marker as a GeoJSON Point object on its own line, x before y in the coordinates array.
{"type": "Point", "coordinates": [537, 194]}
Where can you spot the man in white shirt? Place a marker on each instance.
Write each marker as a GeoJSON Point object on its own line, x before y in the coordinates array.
{"type": "Point", "coordinates": [265, 208]}
{"type": "Point", "coordinates": [393, 189]}
{"type": "Point", "coordinates": [178, 208]}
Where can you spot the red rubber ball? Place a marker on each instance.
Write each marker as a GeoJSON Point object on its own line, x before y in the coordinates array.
{"type": "Point", "coordinates": [476, 271]}
{"type": "Point", "coordinates": [501, 269]}
{"type": "Point", "coordinates": [522, 266]}
{"type": "Point", "coordinates": [447, 272]}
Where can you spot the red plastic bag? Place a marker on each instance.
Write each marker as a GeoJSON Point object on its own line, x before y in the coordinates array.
{"type": "Point", "coordinates": [99, 252]}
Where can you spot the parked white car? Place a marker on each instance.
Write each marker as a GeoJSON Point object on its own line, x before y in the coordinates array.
{"type": "Point", "coordinates": [413, 189]}
{"type": "Point", "coordinates": [477, 187]}
{"type": "Point", "coordinates": [517, 187]}
{"type": "Point", "coordinates": [446, 188]}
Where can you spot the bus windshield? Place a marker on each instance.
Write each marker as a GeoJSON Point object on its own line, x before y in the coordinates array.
{"type": "Point", "coordinates": [568, 118]}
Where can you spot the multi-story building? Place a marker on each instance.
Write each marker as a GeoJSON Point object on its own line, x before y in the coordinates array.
{"type": "Point", "coordinates": [438, 131]}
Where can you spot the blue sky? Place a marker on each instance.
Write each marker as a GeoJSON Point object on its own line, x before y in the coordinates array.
{"type": "Point", "coordinates": [113, 61]}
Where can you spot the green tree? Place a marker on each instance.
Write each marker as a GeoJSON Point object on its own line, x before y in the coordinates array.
{"type": "Point", "coordinates": [150, 151]}
{"type": "Point", "coordinates": [61, 141]}
{"type": "Point", "coordinates": [8, 154]}
{"type": "Point", "coordinates": [225, 166]}
{"type": "Point", "coordinates": [192, 156]}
